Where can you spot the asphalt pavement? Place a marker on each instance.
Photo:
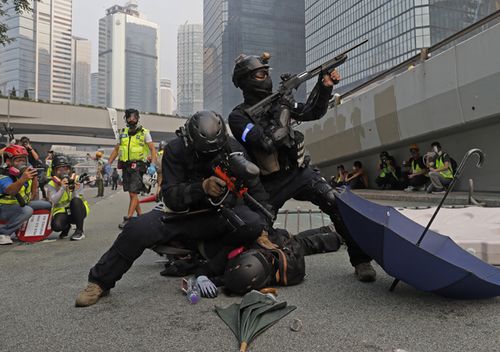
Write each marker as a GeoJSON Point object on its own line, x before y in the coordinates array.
{"type": "Point", "coordinates": [147, 312]}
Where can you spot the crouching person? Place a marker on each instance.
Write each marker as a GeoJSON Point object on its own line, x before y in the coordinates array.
{"type": "Point", "coordinates": [189, 185]}
{"type": "Point", "coordinates": [66, 195]}
{"type": "Point", "coordinates": [18, 191]}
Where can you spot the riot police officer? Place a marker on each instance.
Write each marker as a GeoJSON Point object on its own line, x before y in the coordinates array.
{"type": "Point", "coordinates": [189, 185]}
{"type": "Point", "coordinates": [284, 166]}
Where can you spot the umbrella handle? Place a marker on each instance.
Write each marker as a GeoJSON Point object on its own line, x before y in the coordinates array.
{"type": "Point", "coordinates": [480, 162]}
{"type": "Point", "coordinates": [243, 346]}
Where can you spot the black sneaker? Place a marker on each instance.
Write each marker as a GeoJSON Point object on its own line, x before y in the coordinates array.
{"type": "Point", "coordinates": [64, 233]}
{"type": "Point", "coordinates": [365, 272]}
{"type": "Point", "coordinates": [125, 220]}
{"type": "Point", "coordinates": [77, 235]}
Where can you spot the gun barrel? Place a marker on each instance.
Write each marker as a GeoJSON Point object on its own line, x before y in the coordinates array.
{"type": "Point", "coordinates": [252, 200]}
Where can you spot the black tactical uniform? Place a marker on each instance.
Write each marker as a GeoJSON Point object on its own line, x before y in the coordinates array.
{"type": "Point", "coordinates": [184, 169]}
{"type": "Point", "coordinates": [286, 173]}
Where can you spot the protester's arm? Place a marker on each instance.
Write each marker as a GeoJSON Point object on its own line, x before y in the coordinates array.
{"type": "Point", "coordinates": [54, 195]}
{"type": "Point", "coordinates": [316, 105]}
{"type": "Point", "coordinates": [114, 154]}
{"type": "Point", "coordinates": [178, 193]}
{"type": "Point", "coordinates": [14, 188]}
{"type": "Point", "coordinates": [248, 133]}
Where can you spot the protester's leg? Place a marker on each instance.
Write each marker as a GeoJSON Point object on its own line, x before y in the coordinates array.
{"type": "Point", "coordinates": [40, 205]}
{"type": "Point", "coordinates": [435, 180]}
{"type": "Point", "coordinates": [319, 192]}
{"type": "Point", "coordinates": [61, 223]}
{"type": "Point", "coordinates": [133, 205]}
{"type": "Point", "coordinates": [418, 181]}
{"type": "Point", "coordinates": [78, 212]}
{"type": "Point", "coordinates": [321, 240]}
{"type": "Point", "coordinates": [15, 215]}
{"type": "Point", "coordinates": [138, 234]}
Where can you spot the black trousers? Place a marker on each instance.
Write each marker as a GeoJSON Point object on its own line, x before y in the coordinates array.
{"type": "Point", "coordinates": [307, 185]}
{"type": "Point", "coordinates": [62, 221]}
{"type": "Point", "coordinates": [149, 230]}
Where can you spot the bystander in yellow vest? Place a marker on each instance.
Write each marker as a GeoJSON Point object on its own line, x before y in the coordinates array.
{"type": "Point", "coordinates": [133, 148]}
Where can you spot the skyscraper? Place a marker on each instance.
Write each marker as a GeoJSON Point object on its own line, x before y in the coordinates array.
{"type": "Point", "coordinates": [94, 88]}
{"type": "Point", "coordinates": [250, 27]}
{"type": "Point", "coordinates": [39, 60]}
{"type": "Point", "coordinates": [166, 97]}
{"type": "Point", "coordinates": [189, 69]}
{"type": "Point", "coordinates": [128, 59]}
{"type": "Point", "coordinates": [396, 30]}
{"type": "Point", "coordinates": [81, 70]}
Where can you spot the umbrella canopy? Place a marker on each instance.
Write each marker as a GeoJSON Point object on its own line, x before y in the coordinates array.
{"type": "Point", "coordinates": [256, 313]}
{"type": "Point", "coordinates": [438, 265]}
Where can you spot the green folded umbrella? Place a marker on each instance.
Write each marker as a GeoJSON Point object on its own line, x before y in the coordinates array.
{"type": "Point", "coordinates": [256, 313]}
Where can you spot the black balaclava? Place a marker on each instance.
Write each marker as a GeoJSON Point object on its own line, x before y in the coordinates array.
{"type": "Point", "coordinates": [255, 90]}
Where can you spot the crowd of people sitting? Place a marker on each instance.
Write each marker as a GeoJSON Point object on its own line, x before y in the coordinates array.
{"type": "Point", "coordinates": [431, 172]}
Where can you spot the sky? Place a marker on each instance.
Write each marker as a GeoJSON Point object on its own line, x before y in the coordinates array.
{"type": "Point", "coordinates": [168, 14]}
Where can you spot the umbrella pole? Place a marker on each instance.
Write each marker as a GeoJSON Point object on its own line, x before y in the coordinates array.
{"type": "Point", "coordinates": [448, 190]}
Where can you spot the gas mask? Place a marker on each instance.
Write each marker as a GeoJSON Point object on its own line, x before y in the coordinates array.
{"type": "Point", "coordinates": [255, 90]}
{"type": "Point", "coordinates": [436, 150]}
{"type": "Point", "coordinates": [16, 169]}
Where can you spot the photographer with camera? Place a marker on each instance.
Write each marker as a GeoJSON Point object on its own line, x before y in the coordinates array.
{"type": "Point", "coordinates": [388, 176]}
{"type": "Point", "coordinates": [18, 186]}
{"type": "Point", "coordinates": [68, 202]}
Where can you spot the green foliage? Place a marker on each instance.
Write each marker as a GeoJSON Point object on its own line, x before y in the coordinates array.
{"type": "Point", "coordinates": [20, 7]}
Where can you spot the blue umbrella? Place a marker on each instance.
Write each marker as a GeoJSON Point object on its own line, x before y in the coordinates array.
{"type": "Point", "coordinates": [438, 265]}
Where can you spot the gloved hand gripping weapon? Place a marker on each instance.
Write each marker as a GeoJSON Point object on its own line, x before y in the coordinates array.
{"type": "Point", "coordinates": [234, 169]}
{"type": "Point", "coordinates": [283, 133]}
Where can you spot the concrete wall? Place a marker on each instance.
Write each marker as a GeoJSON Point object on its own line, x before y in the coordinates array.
{"type": "Point", "coordinates": [452, 97]}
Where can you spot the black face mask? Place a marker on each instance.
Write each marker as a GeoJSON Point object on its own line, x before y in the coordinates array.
{"type": "Point", "coordinates": [256, 90]}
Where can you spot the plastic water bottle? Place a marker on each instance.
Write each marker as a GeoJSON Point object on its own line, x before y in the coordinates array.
{"type": "Point", "coordinates": [192, 291]}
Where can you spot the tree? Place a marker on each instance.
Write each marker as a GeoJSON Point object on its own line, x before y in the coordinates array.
{"type": "Point", "coordinates": [26, 95]}
{"type": "Point", "coordinates": [13, 92]}
{"type": "Point", "coordinates": [20, 7]}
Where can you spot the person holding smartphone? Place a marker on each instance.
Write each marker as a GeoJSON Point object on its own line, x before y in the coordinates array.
{"type": "Point", "coordinates": [18, 192]}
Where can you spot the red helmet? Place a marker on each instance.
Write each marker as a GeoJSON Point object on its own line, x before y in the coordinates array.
{"type": "Point", "coordinates": [13, 151]}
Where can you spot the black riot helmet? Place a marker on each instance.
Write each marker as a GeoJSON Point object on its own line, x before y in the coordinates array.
{"type": "Point", "coordinates": [206, 132]}
{"type": "Point", "coordinates": [243, 76]}
{"type": "Point", "coordinates": [251, 270]}
{"type": "Point", "coordinates": [60, 160]}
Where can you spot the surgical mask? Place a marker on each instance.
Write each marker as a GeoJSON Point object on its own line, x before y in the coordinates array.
{"type": "Point", "coordinates": [436, 149]}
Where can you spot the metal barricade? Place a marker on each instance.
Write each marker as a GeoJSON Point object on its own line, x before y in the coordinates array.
{"type": "Point", "coordinates": [303, 219]}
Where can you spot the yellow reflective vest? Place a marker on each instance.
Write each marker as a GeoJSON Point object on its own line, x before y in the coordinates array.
{"type": "Point", "coordinates": [25, 193]}
{"type": "Point", "coordinates": [446, 173]}
{"type": "Point", "coordinates": [63, 203]}
{"type": "Point", "coordinates": [133, 148]}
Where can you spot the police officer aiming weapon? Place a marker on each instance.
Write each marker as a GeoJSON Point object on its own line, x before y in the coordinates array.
{"type": "Point", "coordinates": [282, 133]}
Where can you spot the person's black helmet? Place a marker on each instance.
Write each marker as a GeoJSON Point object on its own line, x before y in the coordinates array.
{"type": "Point", "coordinates": [60, 160]}
{"type": "Point", "coordinates": [206, 132]}
{"type": "Point", "coordinates": [246, 64]}
{"type": "Point", "coordinates": [251, 270]}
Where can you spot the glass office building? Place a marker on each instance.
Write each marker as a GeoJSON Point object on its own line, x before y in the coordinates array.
{"type": "Point", "coordinates": [396, 30]}
{"type": "Point", "coordinates": [128, 60]}
{"type": "Point", "coordinates": [251, 27]}
{"type": "Point", "coordinates": [189, 69]}
{"type": "Point", "coordinates": [39, 59]}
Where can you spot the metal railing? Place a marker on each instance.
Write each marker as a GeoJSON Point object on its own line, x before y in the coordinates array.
{"type": "Point", "coordinates": [299, 220]}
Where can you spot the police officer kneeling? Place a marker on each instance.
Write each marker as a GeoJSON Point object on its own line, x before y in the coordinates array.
{"type": "Point", "coordinates": [187, 186]}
